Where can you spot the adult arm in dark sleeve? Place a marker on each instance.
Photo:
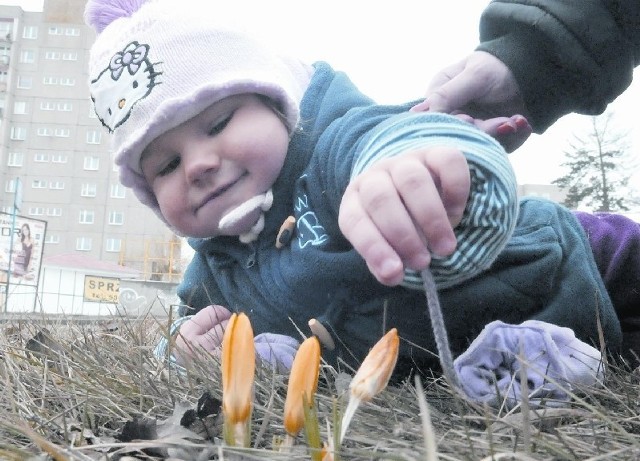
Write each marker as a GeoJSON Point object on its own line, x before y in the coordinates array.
{"type": "Point", "coordinates": [566, 55]}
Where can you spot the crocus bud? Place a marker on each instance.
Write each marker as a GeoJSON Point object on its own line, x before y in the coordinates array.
{"type": "Point", "coordinates": [373, 375]}
{"type": "Point", "coordinates": [303, 381]}
{"type": "Point", "coordinates": [376, 369]}
{"type": "Point", "coordinates": [238, 369]}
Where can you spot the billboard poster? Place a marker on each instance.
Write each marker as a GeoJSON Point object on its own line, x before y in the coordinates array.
{"type": "Point", "coordinates": [26, 253]}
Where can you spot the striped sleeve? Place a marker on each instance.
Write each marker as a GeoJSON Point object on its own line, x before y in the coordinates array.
{"type": "Point", "coordinates": [491, 212]}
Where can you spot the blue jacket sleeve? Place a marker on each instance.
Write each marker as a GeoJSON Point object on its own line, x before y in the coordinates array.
{"type": "Point", "coordinates": [198, 288]}
{"type": "Point", "coordinates": [491, 212]}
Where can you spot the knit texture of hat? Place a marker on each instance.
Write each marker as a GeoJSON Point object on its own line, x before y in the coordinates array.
{"type": "Point", "coordinates": [157, 64]}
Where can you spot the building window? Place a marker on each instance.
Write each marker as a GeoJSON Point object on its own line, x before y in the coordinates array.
{"type": "Point", "coordinates": [67, 81]}
{"type": "Point", "coordinates": [39, 184]}
{"type": "Point", "coordinates": [72, 32]}
{"type": "Point", "coordinates": [91, 163]}
{"type": "Point", "coordinates": [118, 191]}
{"type": "Point", "coordinates": [113, 245]}
{"type": "Point", "coordinates": [58, 158]}
{"type": "Point", "coordinates": [86, 217]}
{"type": "Point", "coordinates": [15, 159]}
{"type": "Point", "coordinates": [116, 218]}
{"type": "Point", "coordinates": [6, 26]}
{"type": "Point", "coordinates": [20, 107]}
{"type": "Point", "coordinates": [52, 55]}
{"type": "Point", "coordinates": [18, 133]}
{"type": "Point", "coordinates": [56, 185]}
{"type": "Point", "coordinates": [54, 211]}
{"type": "Point", "coordinates": [44, 131]}
{"type": "Point", "coordinates": [24, 82]}
{"type": "Point", "coordinates": [70, 56]}
{"type": "Point", "coordinates": [50, 80]}
{"type": "Point", "coordinates": [94, 137]}
{"type": "Point", "coordinates": [36, 211]}
{"type": "Point", "coordinates": [83, 244]}
{"type": "Point", "coordinates": [88, 190]}
{"type": "Point", "coordinates": [53, 239]}
{"type": "Point", "coordinates": [64, 106]}
{"type": "Point", "coordinates": [62, 132]}
{"type": "Point", "coordinates": [55, 30]}
{"type": "Point", "coordinates": [41, 157]}
{"type": "Point", "coordinates": [27, 56]}
{"type": "Point", "coordinates": [10, 186]}
{"type": "Point", "coordinates": [30, 32]}
{"type": "Point", "coordinates": [47, 105]}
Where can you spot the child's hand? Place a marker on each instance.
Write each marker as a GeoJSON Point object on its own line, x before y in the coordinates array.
{"type": "Point", "coordinates": [203, 331]}
{"type": "Point", "coordinates": [402, 207]}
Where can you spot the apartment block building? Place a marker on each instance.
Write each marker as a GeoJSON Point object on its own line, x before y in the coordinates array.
{"type": "Point", "coordinates": [52, 143]}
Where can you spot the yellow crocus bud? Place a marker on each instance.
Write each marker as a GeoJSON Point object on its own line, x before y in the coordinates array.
{"type": "Point", "coordinates": [238, 370]}
{"type": "Point", "coordinates": [303, 381]}
{"type": "Point", "coordinates": [373, 375]}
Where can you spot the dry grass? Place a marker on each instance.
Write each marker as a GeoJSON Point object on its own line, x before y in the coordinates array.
{"type": "Point", "coordinates": [72, 401]}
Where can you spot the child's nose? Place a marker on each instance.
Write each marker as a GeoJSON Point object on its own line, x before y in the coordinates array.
{"type": "Point", "coordinates": [201, 165]}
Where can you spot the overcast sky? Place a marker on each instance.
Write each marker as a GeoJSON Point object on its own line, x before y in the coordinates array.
{"type": "Point", "coordinates": [392, 49]}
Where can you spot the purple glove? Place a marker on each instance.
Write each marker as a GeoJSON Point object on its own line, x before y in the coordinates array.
{"type": "Point", "coordinates": [489, 370]}
{"type": "Point", "coordinates": [276, 350]}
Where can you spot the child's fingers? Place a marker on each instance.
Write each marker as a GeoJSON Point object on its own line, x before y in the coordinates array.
{"type": "Point", "coordinates": [357, 227]}
{"type": "Point", "coordinates": [210, 340]}
{"type": "Point", "coordinates": [204, 320]}
{"type": "Point", "coordinates": [451, 170]}
{"type": "Point", "coordinates": [380, 199]}
{"type": "Point", "coordinates": [433, 186]}
{"type": "Point", "coordinates": [204, 330]}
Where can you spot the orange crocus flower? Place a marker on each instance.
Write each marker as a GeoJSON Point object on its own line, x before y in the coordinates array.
{"type": "Point", "coordinates": [376, 369]}
{"type": "Point", "coordinates": [303, 381]}
{"type": "Point", "coordinates": [373, 375]}
{"type": "Point", "coordinates": [238, 370]}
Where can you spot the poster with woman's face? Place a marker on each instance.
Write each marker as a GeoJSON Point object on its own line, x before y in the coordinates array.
{"type": "Point", "coordinates": [21, 247]}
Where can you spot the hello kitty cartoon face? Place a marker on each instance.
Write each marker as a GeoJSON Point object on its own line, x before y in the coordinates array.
{"type": "Point", "coordinates": [128, 79]}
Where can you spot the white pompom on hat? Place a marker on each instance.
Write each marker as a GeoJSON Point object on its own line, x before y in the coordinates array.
{"type": "Point", "coordinates": [156, 64]}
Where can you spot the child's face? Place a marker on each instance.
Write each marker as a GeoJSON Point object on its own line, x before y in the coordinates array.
{"type": "Point", "coordinates": [222, 157]}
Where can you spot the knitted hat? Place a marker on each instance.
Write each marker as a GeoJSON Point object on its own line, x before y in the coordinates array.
{"type": "Point", "coordinates": [157, 63]}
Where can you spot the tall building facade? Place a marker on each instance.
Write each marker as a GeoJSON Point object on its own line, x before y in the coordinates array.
{"type": "Point", "coordinates": [52, 144]}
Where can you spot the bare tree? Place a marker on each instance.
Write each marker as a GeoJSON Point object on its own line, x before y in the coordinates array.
{"type": "Point", "coordinates": [599, 166]}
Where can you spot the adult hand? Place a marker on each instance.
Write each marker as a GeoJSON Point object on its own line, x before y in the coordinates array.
{"type": "Point", "coordinates": [510, 132]}
{"type": "Point", "coordinates": [402, 207]}
{"type": "Point", "coordinates": [480, 85]}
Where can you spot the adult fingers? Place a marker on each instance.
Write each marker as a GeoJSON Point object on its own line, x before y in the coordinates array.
{"type": "Point", "coordinates": [452, 89]}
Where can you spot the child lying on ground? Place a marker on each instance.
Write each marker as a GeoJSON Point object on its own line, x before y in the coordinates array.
{"type": "Point", "coordinates": [304, 200]}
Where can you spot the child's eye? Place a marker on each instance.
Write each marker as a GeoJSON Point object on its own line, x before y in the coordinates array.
{"type": "Point", "coordinates": [218, 127]}
{"type": "Point", "coordinates": [170, 167]}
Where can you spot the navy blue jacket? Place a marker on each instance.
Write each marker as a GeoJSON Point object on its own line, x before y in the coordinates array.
{"type": "Point", "coordinates": [546, 271]}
